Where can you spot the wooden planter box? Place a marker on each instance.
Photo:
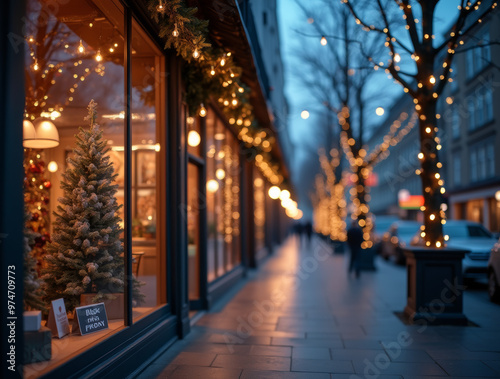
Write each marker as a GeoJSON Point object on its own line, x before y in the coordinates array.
{"type": "Point", "coordinates": [435, 286]}
{"type": "Point", "coordinates": [115, 308]}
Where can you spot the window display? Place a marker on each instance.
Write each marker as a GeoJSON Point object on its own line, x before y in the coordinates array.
{"type": "Point", "coordinates": [75, 54]}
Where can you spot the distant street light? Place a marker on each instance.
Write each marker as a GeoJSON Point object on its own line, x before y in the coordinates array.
{"type": "Point", "coordinates": [304, 115]}
{"type": "Point", "coordinates": [379, 111]}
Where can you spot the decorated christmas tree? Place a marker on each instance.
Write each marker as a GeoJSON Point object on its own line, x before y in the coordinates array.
{"type": "Point", "coordinates": [86, 252]}
{"type": "Point", "coordinates": [33, 292]}
{"type": "Point", "coordinates": [36, 198]}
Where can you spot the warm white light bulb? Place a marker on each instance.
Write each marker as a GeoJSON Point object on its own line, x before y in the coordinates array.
{"type": "Point", "coordinates": [323, 41]}
{"type": "Point", "coordinates": [222, 62]}
{"type": "Point", "coordinates": [194, 138]}
{"type": "Point", "coordinates": [212, 186]}
{"type": "Point", "coordinates": [175, 33]}
{"type": "Point", "coordinates": [52, 166]}
{"type": "Point", "coordinates": [203, 111]}
{"type": "Point", "coordinates": [379, 111]}
{"type": "Point", "coordinates": [220, 174]}
{"type": "Point", "coordinates": [160, 7]}
{"type": "Point", "coordinates": [212, 71]}
{"type": "Point", "coordinates": [98, 56]}
{"type": "Point", "coordinates": [81, 48]}
{"type": "Point", "coordinates": [397, 58]}
{"type": "Point", "coordinates": [196, 54]}
{"type": "Point", "coordinates": [304, 114]}
{"type": "Point", "coordinates": [274, 192]}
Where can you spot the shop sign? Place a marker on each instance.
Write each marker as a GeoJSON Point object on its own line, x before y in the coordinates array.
{"type": "Point", "coordinates": [90, 319]}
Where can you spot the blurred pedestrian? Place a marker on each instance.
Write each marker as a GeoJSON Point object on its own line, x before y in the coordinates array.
{"type": "Point", "coordinates": [354, 240]}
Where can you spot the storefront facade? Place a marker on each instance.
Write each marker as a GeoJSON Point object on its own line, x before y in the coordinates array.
{"type": "Point", "coordinates": [193, 207]}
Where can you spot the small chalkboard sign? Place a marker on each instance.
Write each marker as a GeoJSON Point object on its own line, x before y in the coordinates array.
{"type": "Point", "coordinates": [90, 319]}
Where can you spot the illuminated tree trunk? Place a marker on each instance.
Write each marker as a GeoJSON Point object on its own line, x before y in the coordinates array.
{"type": "Point", "coordinates": [430, 177]}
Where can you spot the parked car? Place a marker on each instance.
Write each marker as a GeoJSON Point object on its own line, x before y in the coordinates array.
{"type": "Point", "coordinates": [396, 238]}
{"type": "Point", "coordinates": [494, 273]}
{"type": "Point", "coordinates": [380, 225]}
{"type": "Point", "coordinates": [470, 236]}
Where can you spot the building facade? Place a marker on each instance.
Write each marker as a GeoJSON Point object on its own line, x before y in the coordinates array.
{"type": "Point", "coordinates": [471, 122]}
{"type": "Point", "coordinates": [195, 215]}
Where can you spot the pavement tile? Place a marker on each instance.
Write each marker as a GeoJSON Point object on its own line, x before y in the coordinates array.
{"type": "Point", "coordinates": [467, 368]}
{"type": "Point", "coordinates": [192, 372]}
{"type": "Point", "coordinates": [252, 362]}
{"type": "Point", "coordinates": [322, 365]}
{"type": "Point", "coordinates": [362, 344]}
{"type": "Point", "coordinates": [495, 365]}
{"type": "Point", "coordinates": [406, 355]}
{"type": "Point", "coordinates": [275, 351]}
{"type": "Point", "coordinates": [462, 354]}
{"type": "Point", "coordinates": [322, 336]}
{"type": "Point", "coordinates": [356, 354]}
{"type": "Point", "coordinates": [218, 348]}
{"type": "Point", "coordinates": [193, 359]}
{"type": "Point", "coordinates": [247, 374]}
{"type": "Point", "coordinates": [385, 367]}
{"type": "Point", "coordinates": [234, 339]}
{"type": "Point", "coordinates": [355, 376]}
{"type": "Point", "coordinates": [307, 342]}
{"type": "Point", "coordinates": [311, 353]}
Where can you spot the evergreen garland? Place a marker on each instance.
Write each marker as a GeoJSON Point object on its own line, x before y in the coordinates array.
{"type": "Point", "coordinates": [86, 253]}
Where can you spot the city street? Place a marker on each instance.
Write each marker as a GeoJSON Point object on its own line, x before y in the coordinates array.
{"type": "Point", "coordinates": [302, 316]}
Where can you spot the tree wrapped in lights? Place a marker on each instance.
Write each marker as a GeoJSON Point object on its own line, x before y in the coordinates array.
{"type": "Point", "coordinates": [330, 205]}
{"type": "Point", "coordinates": [424, 82]}
{"type": "Point", "coordinates": [86, 254]}
{"type": "Point", "coordinates": [340, 81]}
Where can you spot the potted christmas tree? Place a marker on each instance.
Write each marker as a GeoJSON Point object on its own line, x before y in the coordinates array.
{"type": "Point", "coordinates": [85, 258]}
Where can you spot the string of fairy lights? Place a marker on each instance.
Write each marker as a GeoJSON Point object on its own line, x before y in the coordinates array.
{"type": "Point", "coordinates": [426, 90]}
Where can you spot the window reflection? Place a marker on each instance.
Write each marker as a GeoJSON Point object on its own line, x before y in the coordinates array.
{"type": "Point", "coordinates": [223, 199]}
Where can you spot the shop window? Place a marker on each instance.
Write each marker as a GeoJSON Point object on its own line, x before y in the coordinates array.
{"type": "Point", "coordinates": [259, 196]}
{"type": "Point", "coordinates": [148, 244]}
{"type": "Point", "coordinates": [223, 199]}
{"type": "Point", "coordinates": [193, 229]}
{"type": "Point", "coordinates": [75, 54]}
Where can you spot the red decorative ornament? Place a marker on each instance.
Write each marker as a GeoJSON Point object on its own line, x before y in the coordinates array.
{"type": "Point", "coordinates": [47, 184]}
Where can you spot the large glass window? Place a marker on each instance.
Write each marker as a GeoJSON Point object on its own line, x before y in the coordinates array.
{"type": "Point", "coordinates": [148, 244]}
{"type": "Point", "coordinates": [223, 198]}
{"type": "Point", "coordinates": [259, 213]}
{"type": "Point", "coordinates": [75, 54]}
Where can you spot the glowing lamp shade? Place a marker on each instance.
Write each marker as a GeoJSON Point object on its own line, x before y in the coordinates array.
{"type": "Point", "coordinates": [274, 192]}
{"type": "Point", "coordinates": [47, 136]}
{"type": "Point", "coordinates": [212, 186]}
{"type": "Point", "coordinates": [29, 133]}
{"type": "Point", "coordinates": [194, 138]}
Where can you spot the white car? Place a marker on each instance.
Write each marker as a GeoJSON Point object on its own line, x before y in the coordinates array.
{"type": "Point", "coordinates": [471, 236]}
{"type": "Point", "coordinates": [494, 273]}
